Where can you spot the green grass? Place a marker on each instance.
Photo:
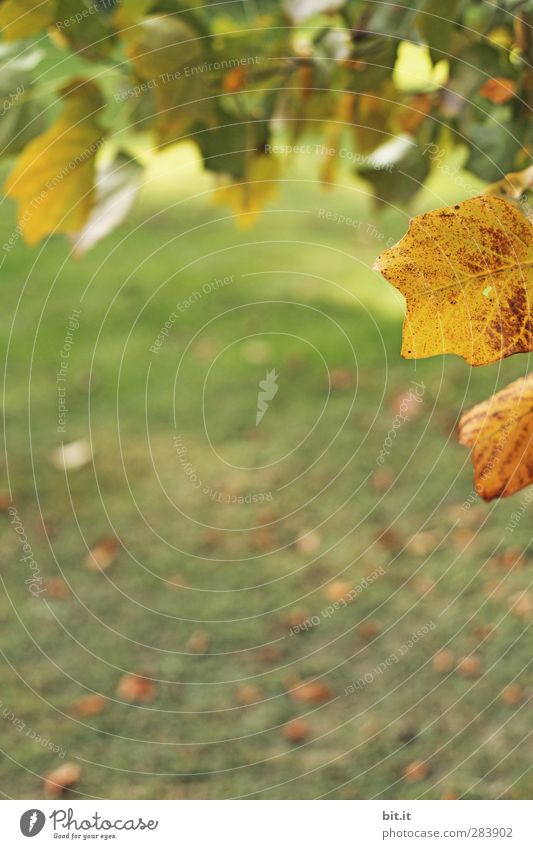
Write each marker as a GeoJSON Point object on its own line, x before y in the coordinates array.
{"type": "Point", "coordinates": [303, 299]}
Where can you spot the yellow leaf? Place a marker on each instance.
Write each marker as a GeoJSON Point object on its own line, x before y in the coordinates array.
{"type": "Point", "coordinates": [248, 198]}
{"type": "Point", "coordinates": [22, 18]}
{"type": "Point", "coordinates": [466, 273]}
{"type": "Point", "coordinates": [414, 70]}
{"type": "Point", "coordinates": [53, 179]}
{"type": "Point", "coordinates": [500, 433]}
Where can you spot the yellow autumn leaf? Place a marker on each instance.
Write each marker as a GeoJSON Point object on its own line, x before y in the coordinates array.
{"type": "Point", "coordinates": [22, 18]}
{"type": "Point", "coordinates": [500, 433]}
{"type": "Point", "coordinates": [466, 274]}
{"type": "Point", "coordinates": [249, 197]}
{"type": "Point", "coordinates": [53, 179]}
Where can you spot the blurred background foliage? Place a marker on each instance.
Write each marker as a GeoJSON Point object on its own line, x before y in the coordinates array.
{"type": "Point", "coordinates": [383, 80]}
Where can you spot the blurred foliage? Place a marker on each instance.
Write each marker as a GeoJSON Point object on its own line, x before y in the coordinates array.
{"type": "Point", "coordinates": [236, 76]}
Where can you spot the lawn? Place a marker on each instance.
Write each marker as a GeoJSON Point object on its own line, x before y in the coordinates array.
{"type": "Point", "coordinates": [233, 534]}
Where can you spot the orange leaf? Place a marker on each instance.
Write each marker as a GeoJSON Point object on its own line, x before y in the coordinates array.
{"type": "Point", "coordinates": [296, 730]}
{"type": "Point", "coordinates": [249, 694]}
{"type": "Point", "coordinates": [513, 694]}
{"type": "Point", "coordinates": [136, 688]}
{"type": "Point", "coordinates": [470, 666]}
{"type": "Point", "coordinates": [102, 555]}
{"type": "Point", "coordinates": [500, 433]}
{"type": "Point", "coordinates": [63, 778]}
{"type": "Point", "coordinates": [443, 661]}
{"type": "Point", "coordinates": [198, 642]}
{"type": "Point", "coordinates": [498, 90]}
{"type": "Point", "coordinates": [89, 705]}
{"type": "Point", "coordinates": [314, 692]}
{"type": "Point", "coordinates": [234, 80]}
{"type": "Point", "coordinates": [415, 771]}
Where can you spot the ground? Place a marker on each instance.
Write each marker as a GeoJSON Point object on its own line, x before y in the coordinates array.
{"type": "Point", "coordinates": [213, 587]}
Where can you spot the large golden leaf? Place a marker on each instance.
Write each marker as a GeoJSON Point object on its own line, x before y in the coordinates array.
{"type": "Point", "coordinates": [466, 274]}
{"type": "Point", "coordinates": [53, 179]}
{"type": "Point", "coordinates": [500, 433]}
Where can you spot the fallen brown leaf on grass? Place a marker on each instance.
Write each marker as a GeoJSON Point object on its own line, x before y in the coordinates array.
{"type": "Point", "coordinates": [368, 630]}
{"type": "Point", "coordinates": [90, 705]}
{"type": "Point", "coordinates": [270, 655]}
{"type": "Point", "coordinates": [422, 585]}
{"type": "Point", "coordinates": [136, 688]}
{"type": "Point", "coordinates": [308, 543]}
{"type": "Point", "coordinates": [389, 539]}
{"type": "Point", "coordinates": [423, 543]}
{"type": "Point", "coordinates": [513, 694]}
{"type": "Point", "coordinates": [295, 619]}
{"type": "Point", "coordinates": [370, 728]}
{"type": "Point", "coordinates": [312, 692]}
{"type": "Point", "coordinates": [249, 694]}
{"type": "Point", "coordinates": [177, 582]}
{"type": "Point", "coordinates": [522, 605]}
{"type": "Point", "coordinates": [337, 590]}
{"type": "Point", "coordinates": [198, 642]}
{"type": "Point", "coordinates": [470, 666]}
{"type": "Point", "coordinates": [415, 771]}
{"type": "Point", "coordinates": [513, 558]}
{"type": "Point", "coordinates": [485, 632]}
{"type": "Point", "coordinates": [443, 661]}
{"type": "Point", "coordinates": [296, 731]}
{"type": "Point", "coordinates": [56, 589]}
{"type": "Point", "coordinates": [382, 480]}
{"type": "Point", "coordinates": [449, 795]}
{"type": "Point", "coordinates": [59, 780]}
{"type": "Point", "coordinates": [103, 555]}
{"type": "Point", "coordinates": [263, 539]}
{"type": "Point", "coordinates": [341, 379]}
{"type": "Point", "coordinates": [463, 537]}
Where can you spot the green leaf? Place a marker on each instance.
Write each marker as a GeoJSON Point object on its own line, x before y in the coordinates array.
{"type": "Point", "coordinates": [436, 22]}
{"type": "Point", "coordinates": [396, 170]}
{"type": "Point", "coordinates": [85, 25]}
{"type": "Point", "coordinates": [20, 117]}
{"type": "Point", "coordinates": [493, 149]}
